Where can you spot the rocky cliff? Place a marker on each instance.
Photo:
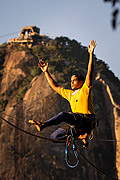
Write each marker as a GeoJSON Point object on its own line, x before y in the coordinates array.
{"type": "Point", "coordinates": [25, 94]}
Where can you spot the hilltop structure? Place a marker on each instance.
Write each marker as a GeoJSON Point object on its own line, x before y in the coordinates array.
{"type": "Point", "coordinates": [30, 35]}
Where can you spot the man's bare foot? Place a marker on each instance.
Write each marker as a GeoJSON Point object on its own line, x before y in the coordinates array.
{"type": "Point", "coordinates": [37, 124]}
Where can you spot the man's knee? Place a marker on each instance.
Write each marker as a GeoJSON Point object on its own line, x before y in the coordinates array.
{"type": "Point", "coordinates": [58, 133]}
{"type": "Point", "coordinates": [53, 136]}
{"type": "Point", "coordinates": [63, 115]}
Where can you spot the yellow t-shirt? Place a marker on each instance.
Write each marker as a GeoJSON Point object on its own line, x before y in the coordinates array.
{"type": "Point", "coordinates": [80, 100]}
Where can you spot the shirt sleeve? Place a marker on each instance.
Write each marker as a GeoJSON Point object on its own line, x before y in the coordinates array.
{"type": "Point", "coordinates": [66, 93]}
{"type": "Point", "coordinates": [85, 88]}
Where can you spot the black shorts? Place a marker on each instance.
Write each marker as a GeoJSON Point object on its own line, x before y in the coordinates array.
{"type": "Point", "coordinates": [85, 123]}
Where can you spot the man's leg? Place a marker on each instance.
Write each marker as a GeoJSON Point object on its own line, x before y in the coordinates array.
{"type": "Point", "coordinates": [66, 117]}
{"type": "Point", "coordinates": [59, 134]}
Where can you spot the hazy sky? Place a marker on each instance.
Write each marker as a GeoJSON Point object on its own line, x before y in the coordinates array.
{"type": "Point", "coordinates": [81, 20]}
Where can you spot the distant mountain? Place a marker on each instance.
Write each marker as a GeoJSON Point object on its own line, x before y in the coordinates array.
{"type": "Point", "coordinates": [25, 94]}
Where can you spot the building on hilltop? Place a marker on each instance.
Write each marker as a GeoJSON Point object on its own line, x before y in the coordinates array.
{"type": "Point", "coordinates": [30, 35]}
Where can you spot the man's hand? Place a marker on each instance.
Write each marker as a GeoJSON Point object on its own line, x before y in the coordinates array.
{"type": "Point", "coordinates": [43, 65]}
{"type": "Point", "coordinates": [93, 45]}
{"type": "Point", "coordinates": [51, 81]}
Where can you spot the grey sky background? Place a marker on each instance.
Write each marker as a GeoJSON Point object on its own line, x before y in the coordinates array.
{"type": "Point", "coordinates": [78, 19]}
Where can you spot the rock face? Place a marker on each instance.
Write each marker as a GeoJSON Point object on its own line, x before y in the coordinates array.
{"type": "Point", "coordinates": [24, 157]}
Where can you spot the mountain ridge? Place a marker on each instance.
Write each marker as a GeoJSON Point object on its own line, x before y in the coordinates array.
{"type": "Point", "coordinates": [25, 94]}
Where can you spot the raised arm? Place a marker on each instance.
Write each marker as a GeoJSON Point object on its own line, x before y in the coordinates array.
{"type": "Point", "coordinates": [89, 76]}
{"type": "Point", "coordinates": [51, 81]}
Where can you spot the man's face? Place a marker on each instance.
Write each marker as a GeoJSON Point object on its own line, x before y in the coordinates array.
{"type": "Point", "coordinates": [75, 83]}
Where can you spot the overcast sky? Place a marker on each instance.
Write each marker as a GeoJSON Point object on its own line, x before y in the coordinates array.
{"type": "Point", "coordinates": [81, 20]}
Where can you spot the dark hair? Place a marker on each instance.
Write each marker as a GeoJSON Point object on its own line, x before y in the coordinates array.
{"type": "Point", "coordinates": [79, 76]}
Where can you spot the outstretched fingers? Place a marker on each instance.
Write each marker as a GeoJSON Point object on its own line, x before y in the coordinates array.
{"type": "Point", "coordinates": [41, 63]}
{"type": "Point", "coordinates": [92, 47]}
{"type": "Point", "coordinates": [93, 44]}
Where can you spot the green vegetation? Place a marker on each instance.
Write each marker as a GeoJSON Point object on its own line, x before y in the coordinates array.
{"type": "Point", "coordinates": [17, 47]}
{"type": "Point", "coordinates": [3, 104]}
{"type": "Point", "coordinates": [1, 58]}
{"type": "Point", "coordinates": [34, 71]}
{"type": "Point", "coordinates": [25, 84]}
{"type": "Point", "coordinates": [2, 53]}
{"type": "Point", "coordinates": [64, 57]}
{"type": "Point", "coordinates": [4, 44]}
{"type": "Point", "coordinates": [21, 93]}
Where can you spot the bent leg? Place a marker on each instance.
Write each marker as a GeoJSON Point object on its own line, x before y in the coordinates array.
{"type": "Point", "coordinates": [66, 117]}
{"type": "Point", "coordinates": [59, 134]}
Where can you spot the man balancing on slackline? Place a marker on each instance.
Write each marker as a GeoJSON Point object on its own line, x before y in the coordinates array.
{"type": "Point", "coordinates": [81, 102]}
